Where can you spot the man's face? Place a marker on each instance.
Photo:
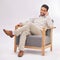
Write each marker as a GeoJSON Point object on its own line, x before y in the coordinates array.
{"type": "Point", "coordinates": [43, 11]}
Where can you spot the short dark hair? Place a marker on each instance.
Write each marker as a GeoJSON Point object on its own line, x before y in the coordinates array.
{"type": "Point", "coordinates": [45, 6]}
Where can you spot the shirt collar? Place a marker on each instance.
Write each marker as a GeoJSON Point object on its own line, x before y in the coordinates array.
{"type": "Point", "coordinates": [42, 16]}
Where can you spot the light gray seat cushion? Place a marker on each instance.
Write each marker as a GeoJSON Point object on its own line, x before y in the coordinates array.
{"type": "Point", "coordinates": [35, 40]}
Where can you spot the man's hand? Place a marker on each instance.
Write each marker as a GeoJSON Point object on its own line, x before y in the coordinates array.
{"type": "Point", "coordinates": [18, 25]}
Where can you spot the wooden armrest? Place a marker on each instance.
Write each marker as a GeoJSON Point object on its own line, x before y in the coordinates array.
{"type": "Point", "coordinates": [51, 28]}
{"type": "Point", "coordinates": [44, 29]}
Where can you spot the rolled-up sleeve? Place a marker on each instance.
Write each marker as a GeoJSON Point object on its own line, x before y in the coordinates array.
{"type": "Point", "coordinates": [49, 22]}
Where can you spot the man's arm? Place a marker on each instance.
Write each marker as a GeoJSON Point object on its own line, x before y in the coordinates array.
{"type": "Point", "coordinates": [49, 22]}
{"type": "Point", "coordinates": [23, 23]}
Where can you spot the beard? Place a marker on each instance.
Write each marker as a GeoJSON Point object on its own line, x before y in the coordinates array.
{"type": "Point", "coordinates": [42, 14]}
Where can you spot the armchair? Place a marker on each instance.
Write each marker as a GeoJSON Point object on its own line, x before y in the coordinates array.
{"type": "Point", "coordinates": [37, 42]}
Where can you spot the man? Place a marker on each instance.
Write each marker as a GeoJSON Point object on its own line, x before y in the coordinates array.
{"type": "Point", "coordinates": [33, 26]}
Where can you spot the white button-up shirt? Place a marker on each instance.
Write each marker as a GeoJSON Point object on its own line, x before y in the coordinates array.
{"type": "Point", "coordinates": [42, 21]}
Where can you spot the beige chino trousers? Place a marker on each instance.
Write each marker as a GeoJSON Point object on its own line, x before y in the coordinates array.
{"type": "Point", "coordinates": [24, 31]}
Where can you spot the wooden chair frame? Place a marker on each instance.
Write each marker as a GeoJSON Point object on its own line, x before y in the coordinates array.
{"type": "Point", "coordinates": [43, 41]}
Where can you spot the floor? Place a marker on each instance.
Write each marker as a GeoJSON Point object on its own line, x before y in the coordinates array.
{"type": "Point", "coordinates": [7, 53]}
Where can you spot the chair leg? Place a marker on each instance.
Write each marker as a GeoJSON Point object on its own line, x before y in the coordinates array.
{"type": "Point", "coordinates": [51, 39]}
{"type": "Point", "coordinates": [43, 51]}
{"type": "Point", "coordinates": [15, 48]}
{"type": "Point", "coordinates": [51, 48]}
